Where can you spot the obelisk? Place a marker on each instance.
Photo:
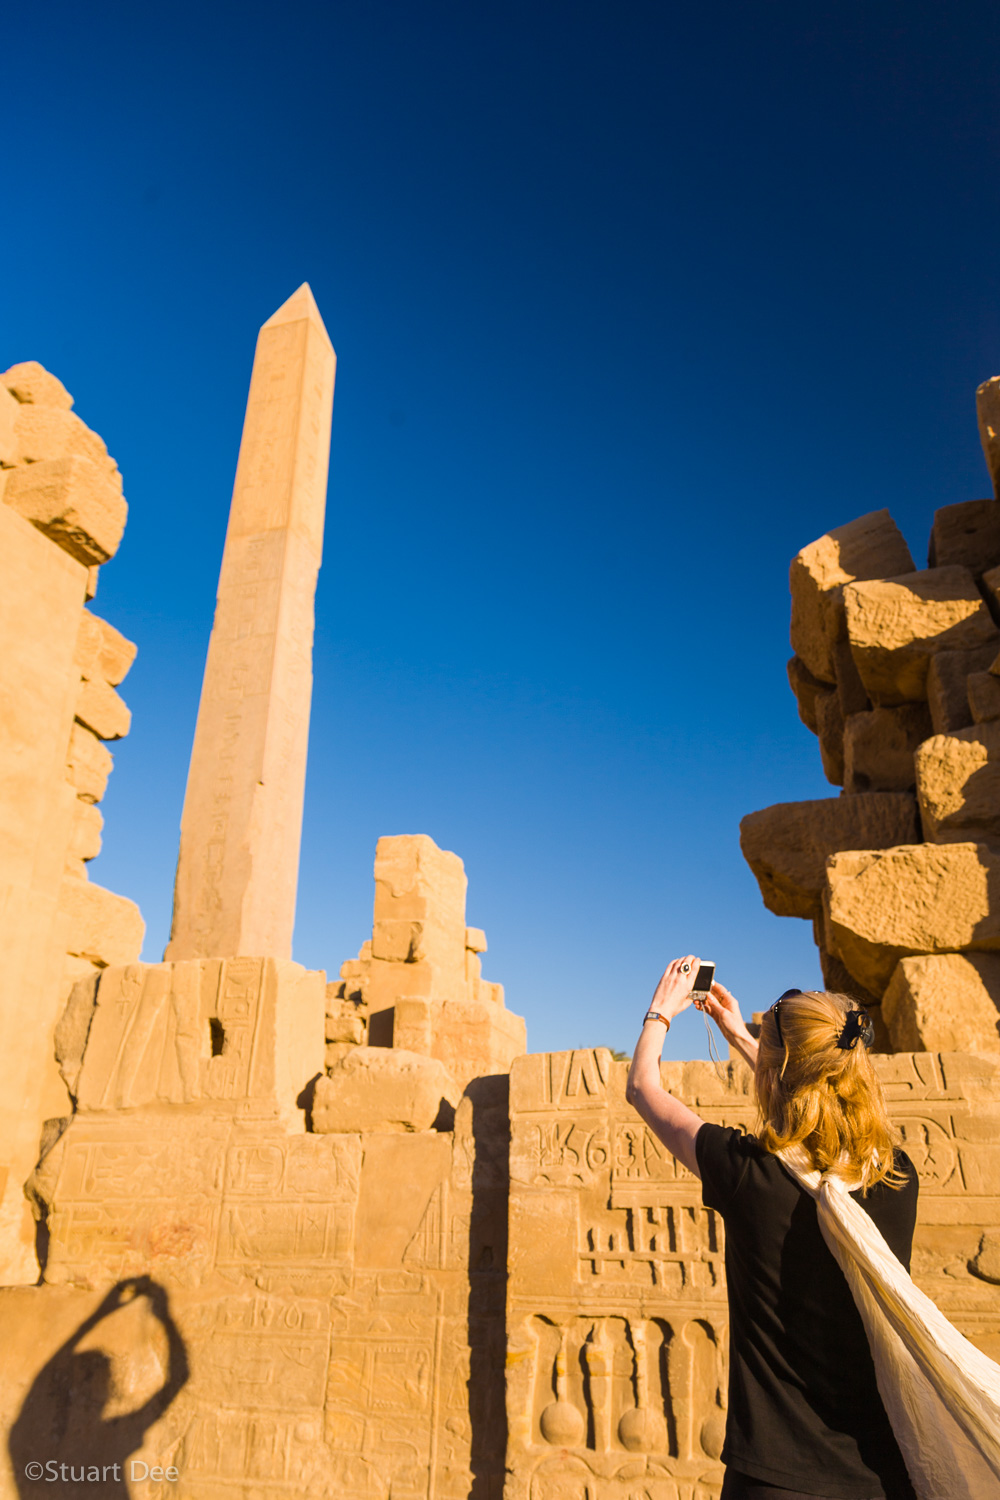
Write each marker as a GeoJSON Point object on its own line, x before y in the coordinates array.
{"type": "Point", "coordinates": [242, 822]}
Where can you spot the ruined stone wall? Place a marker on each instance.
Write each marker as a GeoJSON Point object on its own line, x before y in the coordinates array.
{"type": "Point", "coordinates": [62, 517]}
{"type": "Point", "coordinates": [291, 1311]}
{"type": "Point", "coordinates": [417, 984]}
{"type": "Point", "coordinates": [616, 1298]}
{"type": "Point", "coordinates": [897, 671]}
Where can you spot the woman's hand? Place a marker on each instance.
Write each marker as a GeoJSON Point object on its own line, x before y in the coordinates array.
{"type": "Point", "coordinates": [724, 1010]}
{"type": "Point", "coordinates": [673, 993]}
{"type": "Point", "coordinates": [670, 1120]}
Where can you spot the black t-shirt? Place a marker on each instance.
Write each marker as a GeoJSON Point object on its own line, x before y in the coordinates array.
{"type": "Point", "coordinates": [804, 1407]}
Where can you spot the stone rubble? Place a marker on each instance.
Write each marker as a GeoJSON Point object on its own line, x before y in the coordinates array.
{"type": "Point", "coordinates": [897, 672]}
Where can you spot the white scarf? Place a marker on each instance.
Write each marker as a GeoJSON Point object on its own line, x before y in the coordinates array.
{"type": "Point", "coordinates": [941, 1393]}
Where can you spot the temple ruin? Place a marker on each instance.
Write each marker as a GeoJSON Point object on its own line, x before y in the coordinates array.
{"type": "Point", "coordinates": [897, 672]}
{"type": "Point", "coordinates": [268, 1234]}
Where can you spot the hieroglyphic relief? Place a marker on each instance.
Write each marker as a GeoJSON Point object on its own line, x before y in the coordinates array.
{"type": "Point", "coordinates": [241, 1032]}
{"type": "Point", "coordinates": [339, 1296]}
{"type": "Point", "coordinates": [616, 1310]}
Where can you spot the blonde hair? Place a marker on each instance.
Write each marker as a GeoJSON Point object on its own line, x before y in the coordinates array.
{"type": "Point", "coordinates": [825, 1098]}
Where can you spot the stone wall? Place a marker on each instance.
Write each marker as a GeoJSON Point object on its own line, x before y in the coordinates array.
{"type": "Point", "coordinates": [616, 1299]}
{"type": "Point", "coordinates": [292, 1311]}
{"type": "Point", "coordinates": [62, 517]}
{"type": "Point", "coordinates": [284, 1311]}
{"type": "Point", "coordinates": [897, 672]}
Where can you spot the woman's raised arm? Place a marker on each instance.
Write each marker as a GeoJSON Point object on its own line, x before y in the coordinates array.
{"type": "Point", "coordinates": [670, 1120]}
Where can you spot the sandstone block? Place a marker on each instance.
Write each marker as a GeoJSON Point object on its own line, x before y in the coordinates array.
{"type": "Point", "coordinates": [341, 1029]}
{"type": "Point", "coordinates": [807, 689]}
{"type": "Point", "coordinates": [98, 925]}
{"type": "Point", "coordinates": [475, 1038]}
{"type": "Point", "coordinates": [102, 651]}
{"type": "Point", "coordinates": [951, 903]}
{"type": "Point", "coordinates": [74, 502]}
{"type": "Point", "coordinates": [947, 1002]}
{"type": "Point", "coordinates": [398, 940]}
{"type": "Point", "coordinates": [73, 1028]}
{"type": "Point", "coordinates": [967, 534]}
{"type": "Point", "coordinates": [958, 784]}
{"type": "Point", "coordinates": [88, 764]}
{"type": "Point", "coordinates": [420, 910]}
{"type": "Point", "coordinates": [98, 707]}
{"type": "Point", "coordinates": [46, 432]}
{"type": "Point", "coordinates": [837, 978]}
{"type": "Point", "coordinates": [947, 693]}
{"type": "Point", "coordinates": [374, 1088]}
{"type": "Point", "coordinates": [387, 980]}
{"type": "Point", "coordinates": [870, 547]}
{"type": "Point", "coordinates": [85, 841]}
{"type": "Point", "coordinates": [850, 688]}
{"type": "Point", "coordinates": [787, 845]}
{"type": "Point", "coordinates": [895, 626]}
{"type": "Point", "coordinates": [413, 1024]}
{"type": "Point", "coordinates": [989, 587]}
{"type": "Point", "coordinates": [415, 879]}
{"type": "Point", "coordinates": [31, 383]}
{"type": "Point", "coordinates": [984, 696]}
{"type": "Point", "coordinates": [9, 409]}
{"type": "Point", "coordinates": [879, 746]}
{"type": "Point", "coordinates": [218, 1030]}
{"type": "Point", "coordinates": [830, 723]}
{"type": "Point", "coordinates": [988, 414]}
{"type": "Point", "coordinates": [475, 939]}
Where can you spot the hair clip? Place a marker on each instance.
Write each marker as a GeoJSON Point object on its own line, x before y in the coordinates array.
{"type": "Point", "coordinates": [858, 1024]}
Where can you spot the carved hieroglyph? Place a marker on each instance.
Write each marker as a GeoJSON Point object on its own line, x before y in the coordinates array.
{"type": "Point", "coordinates": [62, 516]}
{"type": "Point", "coordinates": [242, 822]}
{"type": "Point", "coordinates": [333, 1302]}
{"type": "Point", "coordinates": [616, 1302]}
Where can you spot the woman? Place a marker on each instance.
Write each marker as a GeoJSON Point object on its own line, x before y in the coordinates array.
{"type": "Point", "coordinates": [805, 1416]}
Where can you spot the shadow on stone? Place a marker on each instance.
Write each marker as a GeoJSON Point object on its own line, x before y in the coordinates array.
{"type": "Point", "coordinates": [488, 1283]}
{"type": "Point", "coordinates": [62, 1421]}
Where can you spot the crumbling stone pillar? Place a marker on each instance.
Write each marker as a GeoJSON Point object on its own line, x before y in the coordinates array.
{"type": "Point", "coordinates": [418, 984]}
{"type": "Point", "coordinates": [62, 517]}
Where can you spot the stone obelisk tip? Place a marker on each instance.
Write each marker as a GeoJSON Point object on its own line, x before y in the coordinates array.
{"type": "Point", "coordinates": [301, 306]}
{"type": "Point", "coordinates": [239, 853]}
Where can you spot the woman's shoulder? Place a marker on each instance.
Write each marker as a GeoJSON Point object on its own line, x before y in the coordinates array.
{"type": "Point", "coordinates": [725, 1152]}
{"type": "Point", "coordinates": [903, 1167]}
{"type": "Point", "coordinates": [733, 1139]}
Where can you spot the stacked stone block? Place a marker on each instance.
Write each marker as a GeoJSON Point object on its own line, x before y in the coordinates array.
{"type": "Point", "coordinates": [417, 985]}
{"type": "Point", "coordinates": [897, 672]}
{"type": "Point", "coordinates": [62, 516]}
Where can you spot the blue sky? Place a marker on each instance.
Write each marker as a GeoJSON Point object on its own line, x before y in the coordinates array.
{"type": "Point", "coordinates": [630, 302]}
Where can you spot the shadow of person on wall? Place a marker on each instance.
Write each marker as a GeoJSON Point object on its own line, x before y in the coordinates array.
{"type": "Point", "coordinates": [62, 1421]}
